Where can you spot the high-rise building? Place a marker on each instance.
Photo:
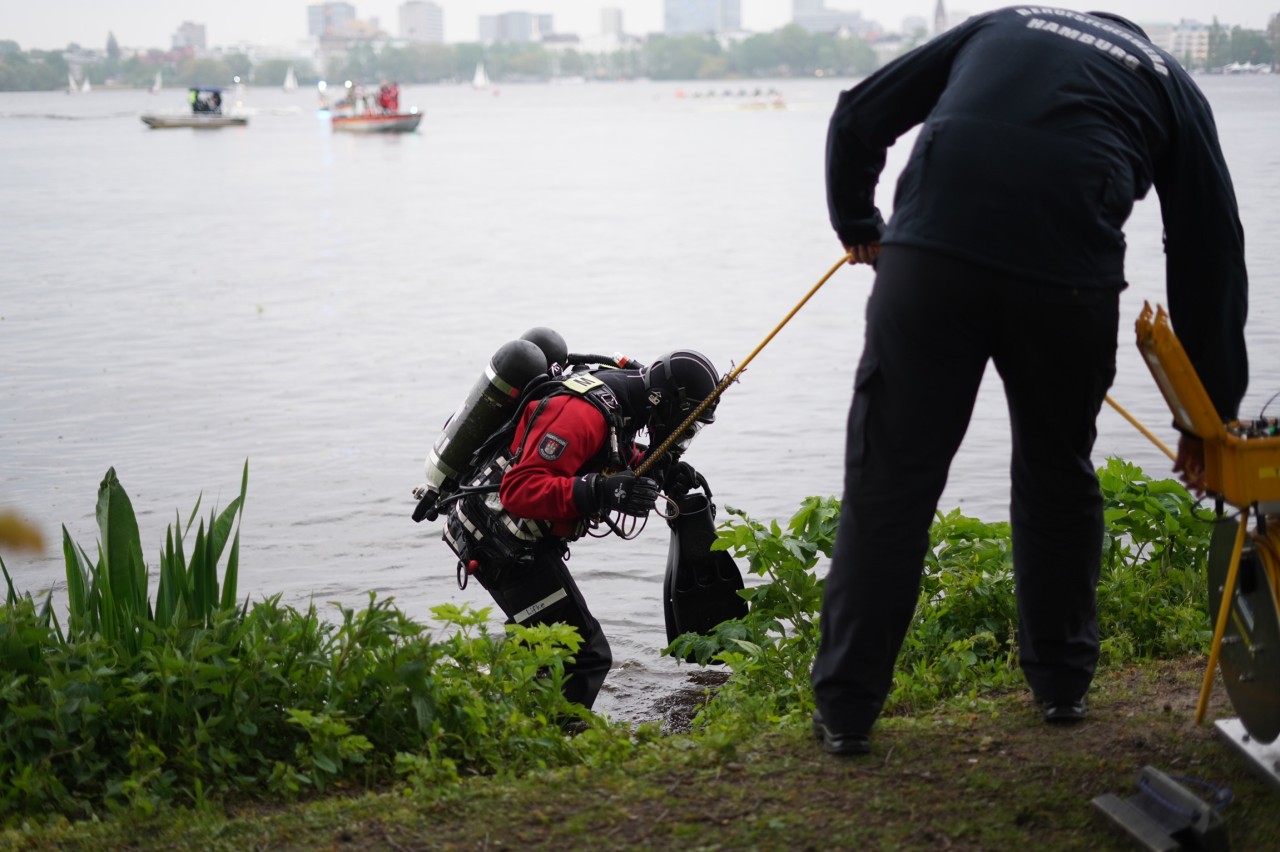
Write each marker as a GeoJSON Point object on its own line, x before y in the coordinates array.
{"type": "Point", "coordinates": [691, 17]}
{"type": "Point", "coordinates": [422, 21]}
{"type": "Point", "coordinates": [1190, 43]}
{"type": "Point", "coordinates": [611, 21]}
{"type": "Point", "coordinates": [329, 19]}
{"type": "Point", "coordinates": [815, 17]}
{"type": "Point", "coordinates": [939, 19]}
{"type": "Point", "coordinates": [515, 26]}
{"type": "Point", "coordinates": [189, 35]}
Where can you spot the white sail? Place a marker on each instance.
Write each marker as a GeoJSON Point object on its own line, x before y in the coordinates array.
{"type": "Point", "coordinates": [72, 86]}
{"type": "Point", "coordinates": [481, 80]}
{"type": "Point", "coordinates": [290, 81]}
{"type": "Point", "coordinates": [156, 86]}
{"type": "Point", "coordinates": [86, 87]}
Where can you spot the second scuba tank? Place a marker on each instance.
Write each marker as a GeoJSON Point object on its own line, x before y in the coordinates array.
{"type": "Point", "coordinates": [552, 346]}
{"type": "Point", "coordinates": [487, 406]}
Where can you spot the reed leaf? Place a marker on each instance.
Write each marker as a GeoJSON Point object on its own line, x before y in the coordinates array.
{"type": "Point", "coordinates": [178, 580]}
{"type": "Point", "coordinates": [11, 597]}
{"type": "Point", "coordinates": [230, 577]}
{"type": "Point", "coordinates": [102, 603]}
{"type": "Point", "coordinates": [125, 572]}
{"type": "Point", "coordinates": [194, 511]}
{"type": "Point", "coordinates": [199, 574]}
{"type": "Point", "coordinates": [121, 574]}
{"type": "Point", "coordinates": [168, 593]}
{"type": "Point", "coordinates": [220, 529]}
{"type": "Point", "coordinates": [78, 583]}
{"type": "Point", "coordinates": [84, 594]}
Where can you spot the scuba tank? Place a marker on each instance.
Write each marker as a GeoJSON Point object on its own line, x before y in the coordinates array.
{"type": "Point", "coordinates": [552, 346]}
{"type": "Point", "coordinates": [488, 405]}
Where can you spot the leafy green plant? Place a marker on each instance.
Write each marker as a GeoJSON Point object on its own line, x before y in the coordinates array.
{"type": "Point", "coordinates": [188, 591]}
{"type": "Point", "coordinates": [962, 635]}
{"type": "Point", "coordinates": [962, 640]}
{"type": "Point", "coordinates": [772, 647]}
{"type": "Point", "coordinates": [331, 746]}
{"type": "Point", "coordinates": [134, 710]}
{"type": "Point", "coordinates": [1153, 594]}
{"type": "Point", "coordinates": [109, 597]}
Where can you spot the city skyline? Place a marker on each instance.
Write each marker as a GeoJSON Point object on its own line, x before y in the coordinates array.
{"type": "Point", "coordinates": [151, 23]}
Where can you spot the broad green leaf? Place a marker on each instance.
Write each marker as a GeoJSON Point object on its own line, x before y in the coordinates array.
{"type": "Point", "coordinates": [121, 546]}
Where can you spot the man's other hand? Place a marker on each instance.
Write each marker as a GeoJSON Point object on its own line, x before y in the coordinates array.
{"type": "Point", "coordinates": [866, 253]}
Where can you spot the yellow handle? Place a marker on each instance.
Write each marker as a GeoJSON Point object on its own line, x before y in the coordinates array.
{"type": "Point", "coordinates": [1143, 429]}
{"type": "Point", "coordinates": [1224, 611]}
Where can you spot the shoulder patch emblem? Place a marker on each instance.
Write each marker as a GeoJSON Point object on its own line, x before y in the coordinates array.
{"type": "Point", "coordinates": [605, 395]}
{"type": "Point", "coordinates": [551, 447]}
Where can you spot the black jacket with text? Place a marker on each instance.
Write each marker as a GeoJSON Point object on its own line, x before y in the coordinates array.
{"type": "Point", "coordinates": [1041, 127]}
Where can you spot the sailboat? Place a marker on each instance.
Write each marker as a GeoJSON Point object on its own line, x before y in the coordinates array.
{"type": "Point", "coordinates": [481, 79]}
{"type": "Point", "coordinates": [290, 81]}
{"type": "Point", "coordinates": [73, 88]}
{"type": "Point", "coordinates": [86, 88]}
{"type": "Point", "coordinates": [156, 86]}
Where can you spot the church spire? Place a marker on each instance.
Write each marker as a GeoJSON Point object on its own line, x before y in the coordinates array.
{"type": "Point", "coordinates": [939, 19]}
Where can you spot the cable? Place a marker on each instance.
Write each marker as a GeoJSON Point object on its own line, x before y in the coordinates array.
{"type": "Point", "coordinates": [1266, 404]}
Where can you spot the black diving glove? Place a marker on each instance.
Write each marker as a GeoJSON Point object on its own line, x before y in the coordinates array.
{"type": "Point", "coordinates": [681, 478]}
{"type": "Point", "coordinates": [623, 492]}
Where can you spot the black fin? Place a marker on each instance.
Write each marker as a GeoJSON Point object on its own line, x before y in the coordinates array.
{"type": "Point", "coordinates": [701, 586]}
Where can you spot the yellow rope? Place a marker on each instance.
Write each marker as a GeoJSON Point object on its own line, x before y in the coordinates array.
{"type": "Point", "coordinates": [1143, 429]}
{"type": "Point", "coordinates": [735, 372]}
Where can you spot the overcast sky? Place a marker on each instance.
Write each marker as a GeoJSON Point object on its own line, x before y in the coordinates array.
{"type": "Point", "coordinates": [52, 24]}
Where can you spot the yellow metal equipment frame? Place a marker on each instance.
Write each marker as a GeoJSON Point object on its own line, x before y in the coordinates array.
{"type": "Point", "coordinates": [1242, 466]}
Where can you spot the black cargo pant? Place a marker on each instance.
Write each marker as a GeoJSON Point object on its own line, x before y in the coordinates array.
{"type": "Point", "coordinates": [933, 322]}
{"type": "Point", "coordinates": [542, 591]}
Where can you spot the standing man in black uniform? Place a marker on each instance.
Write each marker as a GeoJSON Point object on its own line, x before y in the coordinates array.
{"type": "Point", "coordinates": [1041, 127]}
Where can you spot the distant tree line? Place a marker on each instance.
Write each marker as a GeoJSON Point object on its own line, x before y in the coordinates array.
{"type": "Point", "coordinates": [1241, 45]}
{"type": "Point", "coordinates": [788, 52]}
{"type": "Point", "coordinates": [37, 70]}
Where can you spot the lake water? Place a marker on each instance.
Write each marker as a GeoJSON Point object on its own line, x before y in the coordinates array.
{"type": "Point", "coordinates": [174, 302]}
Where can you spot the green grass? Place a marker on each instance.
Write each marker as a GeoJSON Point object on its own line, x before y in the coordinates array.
{"type": "Point", "coordinates": [949, 778]}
